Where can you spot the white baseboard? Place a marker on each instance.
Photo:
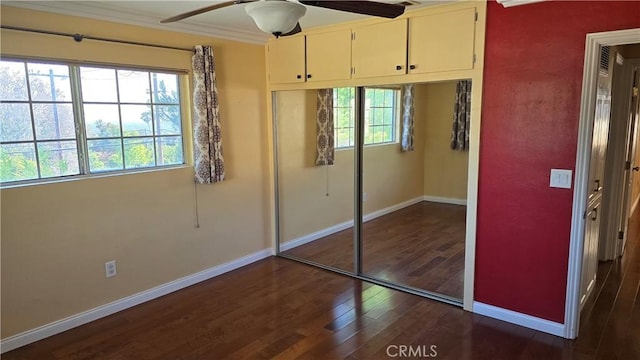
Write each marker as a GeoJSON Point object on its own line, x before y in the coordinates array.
{"type": "Point", "coordinates": [445, 200]}
{"type": "Point", "coordinates": [517, 318]}
{"type": "Point", "coordinates": [345, 225]}
{"type": "Point", "coordinates": [315, 235]}
{"type": "Point", "coordinates": [390, 209]}
{"type": "Point", "coordinates": [85, 317]}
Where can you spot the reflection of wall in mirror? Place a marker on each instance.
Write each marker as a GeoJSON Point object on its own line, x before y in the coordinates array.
{"type": "Point", "coordinates": [445, 170]}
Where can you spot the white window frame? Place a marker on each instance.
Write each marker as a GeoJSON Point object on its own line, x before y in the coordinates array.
{"type": "Point", "coordinates": [81, 137]}
{"type": "Point", "coordinates": [395, 125]}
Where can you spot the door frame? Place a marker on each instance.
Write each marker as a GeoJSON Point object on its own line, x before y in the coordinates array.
{"type": "Point", "coordinates": [587, 106]}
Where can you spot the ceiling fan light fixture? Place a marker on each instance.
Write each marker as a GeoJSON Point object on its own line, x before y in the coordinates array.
{"type": "Point", "coordinates": [276, 16]}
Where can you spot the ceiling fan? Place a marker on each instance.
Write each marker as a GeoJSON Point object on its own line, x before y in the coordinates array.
{"type": "Point", "coordinates": [280, 17]}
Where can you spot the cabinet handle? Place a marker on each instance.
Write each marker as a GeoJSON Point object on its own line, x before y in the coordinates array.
{"type": "Point", "coordinates": [597, 188]}
{"type": "Point", "coordinates": [308, 76]}
{"type": "Point", "coordinates": [636, 168]}
{"type": "Point", "coordinates": [398, 67]}
{"type": "Point", "coordinates": [595, 214]}
{"type": "Point", "coordinates": [298, 76]}
{"type": "Point", "coordinates": [412, 67]}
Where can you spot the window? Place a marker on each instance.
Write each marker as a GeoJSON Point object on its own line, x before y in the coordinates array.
{"type": "Point", "coordinates": [343, 116]}
{"type": "Point", "coordinates": [380, 116]}
{"type": "Point", "coordinates": [64, 120]}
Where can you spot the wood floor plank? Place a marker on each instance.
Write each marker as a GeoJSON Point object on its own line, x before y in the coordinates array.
{"type": "Point", "coordinates": [421, 246]}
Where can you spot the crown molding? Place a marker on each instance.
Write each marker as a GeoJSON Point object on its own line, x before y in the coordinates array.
{"type": "Point", "coordinates": [91, 10]}
{"type": "Point", "coordinates": [511, 3]}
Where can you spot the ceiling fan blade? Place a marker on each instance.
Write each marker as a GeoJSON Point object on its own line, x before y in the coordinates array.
{"type": "Point", "coordinates": [204, 10]}
{"type": "Point", "coordinates": [360, 7]}
{"type": "Point", "coordinates": [295, 30]}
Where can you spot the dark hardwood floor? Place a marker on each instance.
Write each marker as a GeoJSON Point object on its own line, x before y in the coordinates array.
{"type": "Point", "coordinates": [420, 246]}
{"type": "Point", "coordinates": [281, 309]}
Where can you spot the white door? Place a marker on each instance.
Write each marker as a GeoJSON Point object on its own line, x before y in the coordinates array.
{"type": "Point", "coordinates": [630, 160]}
{"type": "Point", "coordinates": [600, 137]}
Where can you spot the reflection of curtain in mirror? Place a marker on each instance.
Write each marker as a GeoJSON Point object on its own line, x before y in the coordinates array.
{"type": "Point", "coordinates": [408, 95]}
{"type": "Point", "coordinates": [324, 120]}
{"type": "Point", "coordinates": [207, 139]}
{"type": "Point", "coordinates": [461, 116]}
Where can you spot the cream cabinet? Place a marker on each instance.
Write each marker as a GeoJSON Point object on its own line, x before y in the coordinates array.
{"type": "Point", "coordinates": [329, 56]}
{"type": "Point", "coordinates": [380, 49]}
{"type": "Point", "coordinates": [442, 41]}
{"type": "Point", "coordinates": [286, 60]}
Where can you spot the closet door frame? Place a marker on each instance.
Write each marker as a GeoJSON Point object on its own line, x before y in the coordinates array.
{"type": "Point", "coordinates": [358, 216]}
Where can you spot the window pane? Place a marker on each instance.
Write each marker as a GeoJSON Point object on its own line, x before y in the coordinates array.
{"type": "Point", "coordinates": [388, 97]}
{"type": "Point", "coordinates": [376, 135]}
{"type": "Point", "coordinates": [138, 153]}
{"type": "Point", "coordinates": [18, 162]}
{"type": "Point", "coordinates": [169, 150]}
{"type": "Point", "coordinates": [167, 118]}
{"type": "Point", "coordinates": [49, 82]}
{"type": "Point", "coordinates": [105, 155]}
{"type": "Point", "coordinates": [136, 120]}
{"type": "Point", "coordinates": [368, 135]}
{"type": "Point", "coordinates": [58, 158]}
{"type": "Point", "coordinates": [102, 120]}
{"type": "Point", "coordinates": [133, 86]}
{"type": "Point", "coordinates": [98, 85]}
{"type": "Point", "coordinates": [15, 122]}
{"type": "Point", "coordinates": [343, 119]}
{"type": "Point", "coordinates": [388, 133]}
{"type": "Point", "coordinates": [54, 121]}
{"type": "Point", "coordinates": [13, 81]}
{"type": "Point", "coordinates": [388, 116]}
{"type": "Point", "coordinates": [165, 88]}
{"type": "Point", "coordinates": [342, 139]}
{"type": "Point", "coordinates": [379, 116]}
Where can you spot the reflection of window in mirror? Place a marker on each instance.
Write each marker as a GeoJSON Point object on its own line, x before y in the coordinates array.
{"type": "Point", "coordinates": [381, 116]}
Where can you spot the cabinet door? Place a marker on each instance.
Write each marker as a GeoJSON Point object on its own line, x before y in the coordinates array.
{"type": "Point", "coordinates": [286, 60]}
{"type": "Point", "coordinates": [442, 42]}
{"type": "Point", "coordinates": [329, 56]}
{"type": "Point", "coordinates": [380, 49]}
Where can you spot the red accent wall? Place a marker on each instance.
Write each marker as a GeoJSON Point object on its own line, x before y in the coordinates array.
{"type": "Point", "coordinates": [532, 85]}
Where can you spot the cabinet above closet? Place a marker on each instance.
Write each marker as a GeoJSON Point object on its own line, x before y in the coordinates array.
{"type": "Point", "coordinates": [431, 40]}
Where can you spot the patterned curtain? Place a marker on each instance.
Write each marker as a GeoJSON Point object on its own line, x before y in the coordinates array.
{"type": "Point", "coordinates": [461, 116]}
{"type": "Point", "coordinates": [408, 95]}
{"type": "Point", "coordinates": [324, 120]}
{"type": "Point", "coordinates": [209, 164]}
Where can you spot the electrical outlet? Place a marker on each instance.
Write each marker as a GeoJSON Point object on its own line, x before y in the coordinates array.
{"type": "Point", "coordinates": [110, 268]}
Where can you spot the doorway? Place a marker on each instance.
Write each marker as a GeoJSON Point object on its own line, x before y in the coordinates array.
{"type": "Point", "coordinates": [581, 214]}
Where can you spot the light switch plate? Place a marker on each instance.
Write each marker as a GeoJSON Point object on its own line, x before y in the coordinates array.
{"type": "Point", "coordinates": [560, 178]}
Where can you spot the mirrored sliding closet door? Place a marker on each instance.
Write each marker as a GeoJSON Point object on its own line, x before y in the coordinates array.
{"type": "Point", "coordinates": [403, 147]}
{"type": "Point", "coordinates": [315, 176]}
{"type": "Point", "coordinates": [413, 189]}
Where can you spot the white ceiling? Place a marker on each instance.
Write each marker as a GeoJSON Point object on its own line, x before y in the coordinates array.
{"type": "Point", "coordinates": [227, 23]}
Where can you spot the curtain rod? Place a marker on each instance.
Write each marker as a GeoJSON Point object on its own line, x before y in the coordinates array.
{"type": "Point", "coordinates": [80, 37]}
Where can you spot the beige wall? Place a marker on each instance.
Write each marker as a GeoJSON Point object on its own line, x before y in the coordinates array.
{"type": "Point", "coordinates": [445, 170]}
{"type": "Point", "coordinates": [56, 237]}
{"type": "Point", "coordinates": [305, 206]}
{"type": "Point", "coordinates": [390, 176]}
